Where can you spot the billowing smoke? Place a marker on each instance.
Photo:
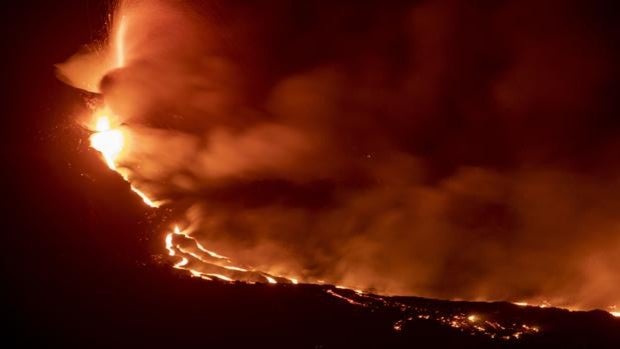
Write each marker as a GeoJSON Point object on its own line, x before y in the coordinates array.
{"type": "Point", "coordinates": [435, 148]}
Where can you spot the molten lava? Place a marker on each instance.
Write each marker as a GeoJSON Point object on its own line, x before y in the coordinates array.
{"type": "Point", "coordinates": [108, 141]}
{"type": "Point", "coordinates": [206, 264]}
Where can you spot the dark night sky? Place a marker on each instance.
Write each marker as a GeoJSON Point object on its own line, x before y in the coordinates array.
{"type": "Point", "coordinates": [506, 86]}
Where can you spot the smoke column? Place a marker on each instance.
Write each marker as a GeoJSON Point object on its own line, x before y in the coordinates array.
{"type": "Point", "coordinates": [432, 148]}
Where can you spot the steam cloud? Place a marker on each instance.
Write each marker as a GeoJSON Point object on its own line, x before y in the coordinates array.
{"type": "Point", "coordinates": [433, 148]}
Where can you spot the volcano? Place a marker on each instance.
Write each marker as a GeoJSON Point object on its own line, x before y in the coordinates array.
{"type": "Point", "coordinates": [412, 147]}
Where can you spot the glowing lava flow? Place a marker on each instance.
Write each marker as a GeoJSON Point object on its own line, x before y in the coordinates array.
{"type": "Point", "coordinates": [110, 142]}
{"type": "Point", "coordinates": [545, 304]}
{"type": "Point", "coordinates": [481, 324]}
{"type": "Point", "coordinates": [199, 261]}
{"type": "Point", "coordinates": [206, 264]}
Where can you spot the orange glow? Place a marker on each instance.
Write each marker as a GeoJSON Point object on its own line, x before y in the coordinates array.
{"type": "Point", "coordinates": [210, 260]}
{"type": "Point", "coordinates": [120, 43]}
{"type": "Point", "coordinates": [346, 299]}
{"type": "Point", "coordinates": [545, 304]}
{"type": "Point", "coordinates": [169, 245]}
{"type": "Point", "coordinates": [144, 198]}
{"type": "Point", "coordinates": [221, 277]}
{"type": "Point", "coordinates": [182, 263]}
{"type": "Point", "coordinates": [210, 253]}
{"type": "Point", "coordinates": [107, 140]}
{"type": "Point", "coordinates": [230, 267]}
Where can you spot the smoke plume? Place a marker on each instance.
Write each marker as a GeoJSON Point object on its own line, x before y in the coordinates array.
{"type": "Point", "coordinates": [435, 148]}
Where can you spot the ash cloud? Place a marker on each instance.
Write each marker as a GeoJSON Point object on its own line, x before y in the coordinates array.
{"type": "Point", "coordinates": [435, 148]}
